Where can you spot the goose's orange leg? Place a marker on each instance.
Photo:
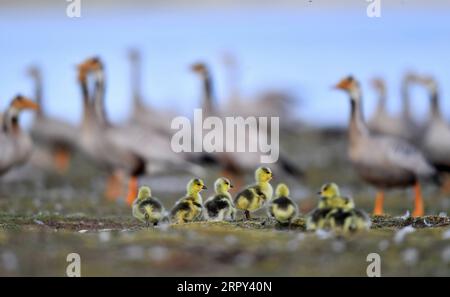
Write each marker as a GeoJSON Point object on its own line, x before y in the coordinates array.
{"type": "Point", "coordinates": [379, 202]}
{"type": "Point", "coordinates": [132, 190]}
{"type": "Point", "coordinates": [61, 158]}
{"type": "Point", "coordinates": [113, 186]}
{"type": "Point", "coordinates": [418, 201]}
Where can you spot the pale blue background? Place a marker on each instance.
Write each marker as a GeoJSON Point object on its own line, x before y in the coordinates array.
{"type": "Point", "coordinates": [304, 51]}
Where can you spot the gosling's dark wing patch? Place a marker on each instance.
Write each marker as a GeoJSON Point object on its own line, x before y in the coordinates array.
{"type": "Point", "coordinates": [319, 214]}
{"type": "Point", "coordinates": [180, 206]}
{"type": "Point", "coordinates": [215, 205]}
{"type": "Point", "coordinates": [151, 202]}
{"type": "Point", "coordinates": [340, 216]}
{"type": "Point", "coordinates": [259, 192]}
{"type": "Point", "coordinates": [247, 193]}
{"type": "Point", "coordinates": [197, 204]}
{"type": "Point", "coordinates": [283, 202]}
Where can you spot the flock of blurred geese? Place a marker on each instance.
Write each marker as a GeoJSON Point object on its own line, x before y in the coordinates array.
{"type": "Point", "coordinates": [387, 151]}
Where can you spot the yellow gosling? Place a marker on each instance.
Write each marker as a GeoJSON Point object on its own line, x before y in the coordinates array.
{"type": "Point", "coordinates": [189, 208]}
{"type": "Point", "coordinates": [146, 208]}
{"type": "Point", "coordinates": [282, 208]}
{"type": "Point", "coordinates": [220, 207]}
{"type": "Point", "coordinates": [255, 196]}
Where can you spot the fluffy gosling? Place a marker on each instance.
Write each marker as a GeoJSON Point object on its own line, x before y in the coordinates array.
{"type": "Point", "coordinates": [282, 208]}
{"type": "Point", "coordinates": [220, 207]}
{"type": "Point", "coordinates": [336, 212]}
{"type": "Point", "coordinates": [255, 196]}
{"type": "Point", "coordinates": [346, 218]}
{"type": "Point", "coordinates": [317, 219]}
{"type": "Point", "coordinates": [148, 209]}
{"type": "Point", "coordinates": [189, 208]}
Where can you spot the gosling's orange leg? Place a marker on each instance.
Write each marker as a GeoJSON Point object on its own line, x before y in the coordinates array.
{"type": "Point", "coordinates": [61, 159]}
{"type": "Point", "coordinates": [113, 186]}
{"type": "Point", "coordinates": [418, 201]}
{"type": "Point", "coordinates": [379, 202]}
{"type": "Point", "coordinates": [132, 190]}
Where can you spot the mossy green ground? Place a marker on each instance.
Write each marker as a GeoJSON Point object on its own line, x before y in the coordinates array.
{"type": "Point", "coordinates": [44, 217]}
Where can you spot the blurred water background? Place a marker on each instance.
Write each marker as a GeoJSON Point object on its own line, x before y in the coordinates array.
{"type": "Point", "coordinates": [303, 47]}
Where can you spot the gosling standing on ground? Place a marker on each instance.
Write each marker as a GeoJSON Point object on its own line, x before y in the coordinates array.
{"type": "Point", "coordinates": [148, 209]}
{"type": "Point", "coordinates": [317, 219]}
{"type": "Point", "coordinates": [282, 208]}
{"type": "Point", "coordinates": [345, 217]}
{"type": "Point", "coordinates": [189, 208]}
{"type": "Point", "coordinates": [220, 207]}
{"type": "Point", "coordinates": [255, 196]}
{"type": "Point", "coordinates": [336, 212]}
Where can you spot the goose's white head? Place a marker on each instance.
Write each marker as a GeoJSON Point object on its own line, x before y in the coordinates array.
{"type": "Point", "coordinates": [351, 86]}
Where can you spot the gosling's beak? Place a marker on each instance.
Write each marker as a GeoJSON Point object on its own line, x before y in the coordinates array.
{"type": "Point", "coordinates": [205, 187]}
{"type": "Point", "coordinates": [231, 186]}
{"type": "Point", "coordinates": [319, 193]}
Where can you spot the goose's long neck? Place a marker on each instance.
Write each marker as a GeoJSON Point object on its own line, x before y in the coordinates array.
{"type": "Point", "coordinates": [11, 121]}
{"type": "Point", "coordinates": [208, 96]}
{"type": "Point", "coordinates": [136, 79]}
{"type": "Point", "coordinates": [358, 127]}
{"type": "Point", "coordinates": [233, 80]}
{"type": "Point", "coordinates": [434, 101]}
{"type": "Point", "coordinates": [381, 107]}
{"type": "Point", "coordinates": [38, 91]}
{"type": "Point", "coordinates": [87, 107]}
{"type": "Point", "coordinates": [406, 109]}
{"type": "Point", "coordinates": [99, 99]}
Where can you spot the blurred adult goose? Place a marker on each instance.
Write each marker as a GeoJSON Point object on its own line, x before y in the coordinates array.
{"type": "Point", "coordinates": [59, 135]}
{"type": "Point", "coordinates": [150, 152]}
{"type": "Point", "coordinates": [436, 139]}
{"type": "Point", "coordinates": [101, 148]}
{"type": "Point", "coordinates": [15, 145]}
{"type": "Point", "coordinates": [402, 125]}
{"type": "Point", "coordinates": [143, 114]}
{"type": "Point", "coordinates": [238, 162]}
{"type": "Point", "coordinates": [382, 122]}
{"type": "Point", "coordinates": [383, 161]}
{"type": "Point", "coordinates": [268, 103]}
{"type": "Point", "coordinates": [411, 130]}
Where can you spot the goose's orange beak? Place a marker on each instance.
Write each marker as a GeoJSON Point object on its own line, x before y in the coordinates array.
{"type": "Point", "coordinates": [198, 67]}
{"type": "Point", "coordinates": [21, 103]}
{"type": "Point", "coordinates": [344, 84]}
